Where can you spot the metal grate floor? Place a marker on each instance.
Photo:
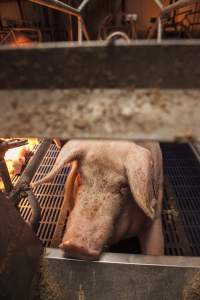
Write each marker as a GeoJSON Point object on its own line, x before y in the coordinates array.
{"type": "Point", "coordinates": [182, 230]}
{"type": "Point", "coordinates": [49, 195]}
{"type": "Point", "coordinates": [181, 209]}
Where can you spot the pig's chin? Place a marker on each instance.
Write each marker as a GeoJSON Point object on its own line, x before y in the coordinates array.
{"type": "Point", "coordinates": [77, 251]}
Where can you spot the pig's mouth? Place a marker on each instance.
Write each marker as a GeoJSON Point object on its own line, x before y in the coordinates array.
{"type": "Point", "coordinates": [75, 250]}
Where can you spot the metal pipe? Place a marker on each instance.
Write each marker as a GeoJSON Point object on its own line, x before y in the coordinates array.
{"type": "Point", "coordinates": [80, 32]}
{"type": "Point", "coordinates": [85, 32]}
{"type": "Point", "coordinates": [159, 3]}
{"type": "Point", "coordinates": [29, 171]}
{"type": "Point", "coordinates": [5, 176]}
{"type": "Point", "coordinates": [34, 162]}
{"type": "Point", "coordinates": [159, 33]}
{"type": "Point", "coordinates": [120, 34]}
{"type": "Point", "coordinates": [83, 4]}
{"type": "Point", "coordinates": [36, 211]}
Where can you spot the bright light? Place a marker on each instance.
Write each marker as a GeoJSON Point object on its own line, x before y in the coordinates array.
{"type": "Point", "coordinates": [16, 158]}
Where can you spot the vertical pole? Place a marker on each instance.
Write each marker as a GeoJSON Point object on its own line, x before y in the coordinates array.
{"type": "Point", "coordinates": [80, 32]}
{"type": "Point", "coordinates": [159, 33]}
{"type": "Point", "coordinates": [5, 176]}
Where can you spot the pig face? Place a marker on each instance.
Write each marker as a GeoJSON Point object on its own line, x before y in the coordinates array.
{"type": "Point", "coordinates": [97, 207]}
{"type": "Point", "coordinates": [104, 169]}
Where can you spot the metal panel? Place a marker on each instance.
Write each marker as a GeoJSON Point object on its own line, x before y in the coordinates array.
{"type": "Point", "coordinates": [121, 277]}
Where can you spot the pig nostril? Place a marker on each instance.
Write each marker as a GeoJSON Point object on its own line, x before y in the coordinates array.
{"type": "Point", "coordinates": [75, 250]}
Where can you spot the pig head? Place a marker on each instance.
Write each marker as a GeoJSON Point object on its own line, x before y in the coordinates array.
{"type": "Point", "coordinates": [114, 191]}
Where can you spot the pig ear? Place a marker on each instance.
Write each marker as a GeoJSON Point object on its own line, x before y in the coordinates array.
{"type": "Point", "coordinates": [139, 169]}
{"type": "Point", "coordinates": [70, 152]}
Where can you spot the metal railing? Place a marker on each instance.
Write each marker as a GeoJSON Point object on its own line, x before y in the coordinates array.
{"type": "Point", "coordinates": [67, 9]}
{"type": "Point", "coordinates": [164, 12]}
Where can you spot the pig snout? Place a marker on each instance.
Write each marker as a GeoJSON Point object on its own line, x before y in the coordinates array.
{"type": "Point", "coordinates": [90, 224]}
{"type": "Point", "coordinates": [86, 239]}
{"type": "Point", "coordinates": [77, 250]}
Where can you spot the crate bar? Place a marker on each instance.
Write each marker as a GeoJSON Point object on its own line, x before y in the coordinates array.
{"type": "Point", "coordinates": [172, 65]}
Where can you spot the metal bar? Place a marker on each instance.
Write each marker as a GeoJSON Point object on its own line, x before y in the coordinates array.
{"type": "Point", "coordinates": [20, 10]}
{"type": "Point", "coordinates": [133, 259]}
{"type": "Point", "coordinates": [159, 3]}
{"type": "Point", "coordinates": [58, 5]}
{"type": "Point", "coordinates": [96, 65]}
{"type": "Point", "coordinates": [85, 32]}
{"type": "Point", "coordinates": [5, 176]}
{"type": "Point", "coordinates": [36, 211]}
{"type": "Point", "coordinates": [29, 171]}
{"type": "Point", "coordinates": [34, 162]}
{"type": "Point", "coordinates": [196, 149]}
{"type": "Point", "coordinates": [83, 4]}
{"type": "Point", "coordinates": [159, 33]}
{"type": "Point", "coordinates": [80, 33]}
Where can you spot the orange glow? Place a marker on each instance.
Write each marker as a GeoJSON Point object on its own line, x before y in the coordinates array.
{"type": "Point", "coordinates": [16, 158]}
{"type": "Point", "coordinates": [23, 40]}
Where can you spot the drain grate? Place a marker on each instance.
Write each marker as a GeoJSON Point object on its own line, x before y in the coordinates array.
{"type": "Point", "coordinates": [181, 208]}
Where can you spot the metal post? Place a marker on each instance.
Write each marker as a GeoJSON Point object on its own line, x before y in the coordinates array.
{"type": "Point", "coordinates": [80, 33]}
{"type": "Point", "coordinates": [5, 176]}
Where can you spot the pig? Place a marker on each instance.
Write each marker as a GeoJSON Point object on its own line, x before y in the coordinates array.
{"type": "Point", "coordinates": [114, 192]}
